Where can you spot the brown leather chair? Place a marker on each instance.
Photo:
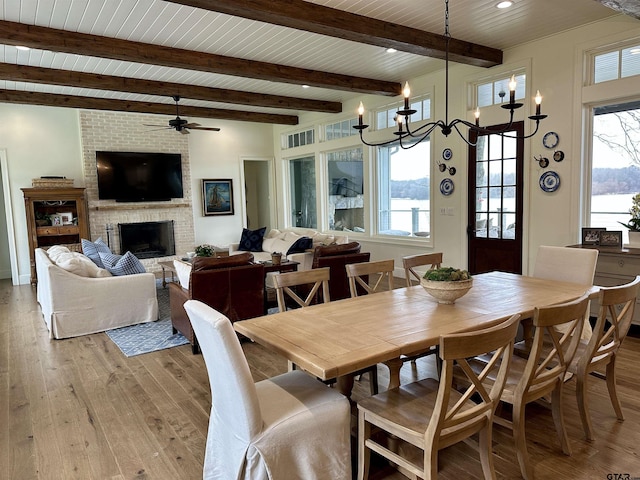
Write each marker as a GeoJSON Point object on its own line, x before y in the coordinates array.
{"type": "Point", "coordinates": [234, 286]}
{"type": "Point", "coordinates": [336, 257]}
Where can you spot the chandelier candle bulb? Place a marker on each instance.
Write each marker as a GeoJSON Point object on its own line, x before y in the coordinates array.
{"type": "Point", "coordinates": [360, 113]}
{"type": "Point", "coordinates": [538, 102]}
{"type": "Point", "coordinates": [407, 93]}
{"type": "Point", "coordinates": [512, 89]}
{"type": "Point", "coordinates": [477, 115]}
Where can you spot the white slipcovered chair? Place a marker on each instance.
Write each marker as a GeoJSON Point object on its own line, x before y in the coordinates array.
{"type": "Point", "coordinates": [289, 426]}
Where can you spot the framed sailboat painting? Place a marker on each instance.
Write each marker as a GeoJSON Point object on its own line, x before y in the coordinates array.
{"type": "Point", "coordinates": [217, 197]}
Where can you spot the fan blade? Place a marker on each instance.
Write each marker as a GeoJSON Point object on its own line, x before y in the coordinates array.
{"type": "Point", "coordinates": [184, 131]}
{"type": "Point", "coordinates": [211, 129]}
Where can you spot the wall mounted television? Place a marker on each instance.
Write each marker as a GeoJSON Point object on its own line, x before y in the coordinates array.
{"type": "Point", "coordinates": [139, 176]}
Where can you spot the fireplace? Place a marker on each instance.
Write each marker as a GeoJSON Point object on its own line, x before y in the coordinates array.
{"type": "Point", "coordinates": [147, 239]}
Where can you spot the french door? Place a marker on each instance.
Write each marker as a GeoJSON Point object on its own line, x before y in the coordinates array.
{"type": "Point", "coordinates": [494, 227]}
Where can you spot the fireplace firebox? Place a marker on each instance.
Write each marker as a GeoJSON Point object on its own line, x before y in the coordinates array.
{"type": "Point", "coordinates": [147, 239]}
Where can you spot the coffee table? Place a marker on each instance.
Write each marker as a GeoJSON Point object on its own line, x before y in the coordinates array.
{"type": "Point", "coordinates": [270, 267]}
{"type": "Point", "coordinates": [167, 266]}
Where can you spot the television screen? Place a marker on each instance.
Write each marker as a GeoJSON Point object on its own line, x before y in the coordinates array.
{"type": "Point", "coordinates": [139, 177]}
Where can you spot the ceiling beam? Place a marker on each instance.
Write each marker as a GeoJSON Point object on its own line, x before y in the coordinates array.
{"type": "Point", "coordinates": [12, 33]}
{"type": "Point", "coordinates": [628, 7]}
{"type": "Point", "coordinates": [51, 76]}
{"type": "Point", "coordinates": [92, 103]}
{"type": "Point", "coordinates": [315, 18]}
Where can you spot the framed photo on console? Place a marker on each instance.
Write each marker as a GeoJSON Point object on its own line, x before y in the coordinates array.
{"type": "Point", "coordinates": [591, 235]}
{"type": "Point", "coordinates": [611, 238]}
{"type": "Point", "coordinates": [217, 197]}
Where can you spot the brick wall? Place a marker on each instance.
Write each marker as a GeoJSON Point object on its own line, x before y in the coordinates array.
{"type": "Point", "coordinates": [126, 132]}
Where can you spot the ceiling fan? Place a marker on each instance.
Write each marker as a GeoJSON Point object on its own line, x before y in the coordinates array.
{"type": "Point", "coordinates": [182, 125]}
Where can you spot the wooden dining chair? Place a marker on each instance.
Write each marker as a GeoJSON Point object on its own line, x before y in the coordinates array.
{"type": "Point", "coordinates": [287, 426]}
{"type": "Point", "coordinates": [358, 275]}
{"type": "Point", "coordinates": [542, 374]}
{"type": "Point", "coordinates": [429, 415]}
{"type": "Point", "coordinates": [617, 305]}
{"type": "Point", "coordinates": [433, 260]}
{"type": "Point", "coordinates": [285, 283]}
{"type": "Point", "coordinates": [316, 278]}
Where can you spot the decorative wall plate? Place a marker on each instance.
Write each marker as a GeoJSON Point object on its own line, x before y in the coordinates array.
{"type": "Point", "coordinates": [550, 140]}
{"type": "Point", "coordinates": [558, 155]}
{"type": "Point", "coordinates": [446, 186]}
{"type": "Point", "coordinates": [543, 162]}
{"type": "Point", "coordinates": [549, 181]}
{"type": "Point", "coordinates": [447, 154]}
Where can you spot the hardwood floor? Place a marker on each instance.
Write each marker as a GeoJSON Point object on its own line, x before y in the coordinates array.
{"type": "Point", "coordinates": [79, 409]}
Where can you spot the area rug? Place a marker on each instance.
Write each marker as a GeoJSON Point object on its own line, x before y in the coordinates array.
{"type": "Point", "coordinates": [151, 336]}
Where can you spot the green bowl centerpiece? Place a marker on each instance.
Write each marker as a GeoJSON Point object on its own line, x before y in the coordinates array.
{"type": "Point", "coordinates": [447, 284]}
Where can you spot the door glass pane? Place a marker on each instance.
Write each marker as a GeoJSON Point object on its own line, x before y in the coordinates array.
{"type": "Point", "coordinates": [302, 175]}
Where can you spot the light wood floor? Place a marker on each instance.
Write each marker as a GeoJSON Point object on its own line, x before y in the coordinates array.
{"type": "Point", "coordinates": [79, 409]}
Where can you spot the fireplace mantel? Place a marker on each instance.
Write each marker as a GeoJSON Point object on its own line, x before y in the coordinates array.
{"type": "Point", "coordinates": [137, 206]}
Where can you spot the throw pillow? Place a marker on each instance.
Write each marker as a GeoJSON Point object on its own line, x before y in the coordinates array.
{"type": "Point", "coordinates": [78, 264]}
{"type": "Point", "coordinates": [55, 251]}
{"type": "Point", "coordinates": [93, 250]}
{"type": "Point", "coordinates": [251, 240]}
{"type": "Point", "coordinates": [300, 245]}
{"type": "Point", "coordinates": [127, 264]}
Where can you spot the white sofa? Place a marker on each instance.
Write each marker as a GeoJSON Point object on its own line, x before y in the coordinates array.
{"type": "Point", "coordinates": [281, 241]}
{"type": "Point", "coordinates": [74, 305]}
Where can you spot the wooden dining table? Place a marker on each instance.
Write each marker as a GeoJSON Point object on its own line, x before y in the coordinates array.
{"type": "Point", "coordinates": [336, 339]}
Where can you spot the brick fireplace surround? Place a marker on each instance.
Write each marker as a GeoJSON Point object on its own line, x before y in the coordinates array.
{"type": "Point", "coordinates": [125, 132]}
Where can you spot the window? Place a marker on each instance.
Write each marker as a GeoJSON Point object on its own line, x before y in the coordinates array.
{"type": "Point", "coordinates": [621, 63]}
{"type": "Point", "coordinates": [387, 118]}
{"type": "Point", "coordinates": [615, 164]}
{"type": "Point", "coordinates": [298, 139]}
{"type": "Point", "coordinates": [404, 194]}
{"type": "Point", "coordinates": [342, 129]}
{"type": "Point", "coordinates": [345, 176]}
{"type": "Point", "coordinates": [302, 183]}
{"type": "Point", "coordinates": [497, 91]}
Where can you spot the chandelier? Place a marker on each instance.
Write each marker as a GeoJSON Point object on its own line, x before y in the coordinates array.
{"type": "Point", "coordinates": [406, 137]}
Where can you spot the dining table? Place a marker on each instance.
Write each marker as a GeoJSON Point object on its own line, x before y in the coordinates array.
{"type": "Point", "coordinates": [336, 339]}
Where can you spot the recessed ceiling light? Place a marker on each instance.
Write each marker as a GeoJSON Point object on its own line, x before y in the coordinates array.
{"type": "Point", "coordinates": [391, 50]}
{"type": "Point", "coordinates": [505, 4]}
{"type": "Point", "coordinates": [305, 86]}
{"type": "Point", "coordinates": [23, 48]}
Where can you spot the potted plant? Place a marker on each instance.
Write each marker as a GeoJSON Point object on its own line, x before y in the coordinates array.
{"type": "Point", "coordinates": [447, 284]}
{"type": "Point", "coordinates": [205, 251]}
{"type": "Point", "coordinates": [634, 223]}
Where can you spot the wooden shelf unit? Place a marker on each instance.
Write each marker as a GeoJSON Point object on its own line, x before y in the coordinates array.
{"type": "Point", "coordinates": [39, 202]}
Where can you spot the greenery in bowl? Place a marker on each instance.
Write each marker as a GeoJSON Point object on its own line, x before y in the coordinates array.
{"type": "Point", "coordinates": [204, 251]}
{"type": "Point", "coordinates": [447, 274]}
{"type": "Point", "coordinates": [634, 224]}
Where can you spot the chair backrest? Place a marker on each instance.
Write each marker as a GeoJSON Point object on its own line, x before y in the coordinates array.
{"type": "Point", "coordinates": [317, 277]}
{"type": "Point", "coordinates": [234, 400]}
{"type": "Point", "coordinates": [457, 417]}
{"type": "Point", "coordinates": [566, 264]}
{"type": "Point", "coordinates": [552, 349]}
{"type": "Point", "coordinates": [434, 260]}
{"type": "Point", "coordinates": [617, 306]}
{"type": "Point", "coordinates": [356, 273]}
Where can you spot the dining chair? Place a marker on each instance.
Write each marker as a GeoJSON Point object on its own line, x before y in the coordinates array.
{"type": "Point", "coordinates": [431, 415]}
{"type": "Point", "coordinates": [617, 305]}
{"type": "Point", "coordinates": [288, 426]}
{"type": "Point", "coordinates": [358, 275]}
{"type": "Point", "coordinates": [542, 374]}
{"type": "Point", "coordinates": [434, 260]}
{"type": "Point", "coordinates": [285, 283]}
{"type": "Point", "coordinates": [566, 264]}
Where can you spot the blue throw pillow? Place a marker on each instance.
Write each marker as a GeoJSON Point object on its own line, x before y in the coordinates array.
{"type": "Point", "coordinates": [300, 245]}
{"type": "Point", "coordinates": [251, 240]}
{"type": "Point", "coordinates": [93, 250]}
{"type": "Point", "coordinates": [127, 264]}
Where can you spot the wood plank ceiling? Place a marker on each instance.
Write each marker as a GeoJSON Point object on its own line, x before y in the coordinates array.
{"type": "Point", "coordinates": [253, 55]}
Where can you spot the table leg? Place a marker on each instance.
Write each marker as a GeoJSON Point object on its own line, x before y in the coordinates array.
{"type": "Point", "coordinates": [394, 372]}
{"type": "Point", "coordinates": [345, 385]}
{"type": "Point", "coordinates": [164, 278]}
